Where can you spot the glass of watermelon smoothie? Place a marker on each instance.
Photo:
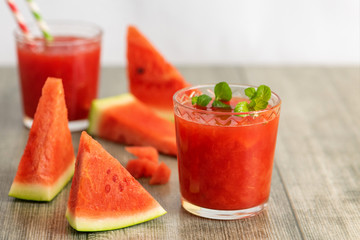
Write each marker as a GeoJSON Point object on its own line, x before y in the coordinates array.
{"type": "Point", "coordinates": [225, 158]}
{"type": "Point", "coordinates": [73, 56]}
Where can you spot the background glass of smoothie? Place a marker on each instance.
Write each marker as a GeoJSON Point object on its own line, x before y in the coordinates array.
{"type": "Point", "coordinates": [225, 159]}
{"type": "Point", "coordinates": [73, 56]}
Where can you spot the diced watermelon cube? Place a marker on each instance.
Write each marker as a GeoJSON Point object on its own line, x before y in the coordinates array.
{"type": "Point", "coordinates": [144, 152]}
{"type": "Point", "coordinates": [161, 175]}
{"type": "Point", "coordinates": [141, 168]}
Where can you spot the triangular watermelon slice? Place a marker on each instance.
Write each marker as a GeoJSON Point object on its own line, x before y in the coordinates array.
{"type": "Point", "coordinates": [152, 79]}
{"type": "Point", "coordinates": [48, 161]}
{"type": "Point", "coordinates": [125, 119]}
{"type": "Point", "coordinates": [103, 195]}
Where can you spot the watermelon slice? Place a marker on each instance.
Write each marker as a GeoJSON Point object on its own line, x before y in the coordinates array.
{"type": "Point", "coordinates": [144, 152]}
{"type": "Point", "coordinates": [48, 160]}
{"type": "Point", "coordinates": [161, 175]}
{"type": "Point", "coordinates": [152, 79]}
{"type": "Point", "coordinates": [103, 195]}
{"type": "Point", "coordinates": [126, 120]}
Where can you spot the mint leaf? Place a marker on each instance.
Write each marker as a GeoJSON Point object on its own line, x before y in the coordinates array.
{"type": "Point", "coordinates": [263, 92]}
{"type": "Point", "coordinates": [223, 91]}
{"type": "Point", "coordinates": [241, 107]}
{"type": "Point", "coordinates": [250, 92]}
{"type": "Point", "coordinates": [220, 104]}
{"type": "Point", "coordinates": [260, 99]}
{"type": "Point", "coordinates": [260, 105]}
{"type": "Point", "coordinates": [194, 100]}
{"type": "Point", "coordinates": [202, 100]}
{"type": "Point", "coordinates": [252, 105]}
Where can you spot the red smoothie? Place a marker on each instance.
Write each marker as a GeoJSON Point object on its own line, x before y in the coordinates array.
{"type": "Point", "coordinates": [73, 59]}
{"type": "Point", "coordinates": [225, 160]}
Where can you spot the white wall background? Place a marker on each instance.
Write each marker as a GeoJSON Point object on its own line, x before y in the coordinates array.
{"type": "Point", "coordinates": [213, 31]}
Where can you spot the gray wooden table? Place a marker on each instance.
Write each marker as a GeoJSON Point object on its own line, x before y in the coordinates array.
{"type": "Point", "coordinates": [316, 179]}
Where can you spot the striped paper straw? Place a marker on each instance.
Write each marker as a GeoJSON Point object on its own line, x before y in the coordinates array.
{"type": "Point", "coordinates": [42, 25]}
{"type": "Point", "coordinates": [19, 19]}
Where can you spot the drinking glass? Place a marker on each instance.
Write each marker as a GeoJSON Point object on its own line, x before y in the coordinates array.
{"type": "Point", "coordinates": [225, 158]}
{"type": "Point", "coordinates": [73, 55]}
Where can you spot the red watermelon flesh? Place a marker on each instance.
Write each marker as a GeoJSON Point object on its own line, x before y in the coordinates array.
{"type": "Point", "coordinates": [161, 175]}
{"type": "Point", "coordinates": [144, 152]}
{"type": "Point", "coordinates": [48, 161]}
{"type": "Point", "coordinates": [104, 195]}
{"type": "Point", "coordinates": [152, 79]}
{"type": "Point", "coordinates": [126, 120]}
{"type": "Point", "coordinates": [141, 168]}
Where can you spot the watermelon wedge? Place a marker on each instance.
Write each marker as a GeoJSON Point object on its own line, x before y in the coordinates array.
{"type": "Point", "coordinates": [126, 120]}
{"type": "Point", "coordinates": [152, 79]}
{"type": "Point", "coordinates": [48, 161]}
{"type": "Point", "coordinates": [103, 195]}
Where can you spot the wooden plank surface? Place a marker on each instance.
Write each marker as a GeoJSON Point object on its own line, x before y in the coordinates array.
{"type": "Point", "coordinates": [315, 187]}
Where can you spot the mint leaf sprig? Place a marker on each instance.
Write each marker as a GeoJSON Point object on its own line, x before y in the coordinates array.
{"type": "Point", "coordinates": [259, 99]}
{"type": "Point", "coordinates": [223, 94]}
{"type": "Point", "coordinates": [202, 100]}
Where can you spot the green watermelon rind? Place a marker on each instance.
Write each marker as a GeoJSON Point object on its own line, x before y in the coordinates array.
{"type": "Point", "coordinates": [41, 192]}
{"type": "Point", "coordinates": [166, 114]}
{"type": "Point", "coordinates": [98, 106]}
{"type": "Point", "coordinates": [83, 224]}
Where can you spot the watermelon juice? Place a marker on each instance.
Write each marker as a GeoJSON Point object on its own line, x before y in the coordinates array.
{"type": "Point", "coordinates": [74, 56]}
{"type": "Point", "coordinates": [225, 159]}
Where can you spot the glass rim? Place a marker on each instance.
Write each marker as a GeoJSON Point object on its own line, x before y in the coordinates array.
{"type": "Point", "coordinates": [95, 37]}
{"type": "Point", "coordinates": [175, 101]}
